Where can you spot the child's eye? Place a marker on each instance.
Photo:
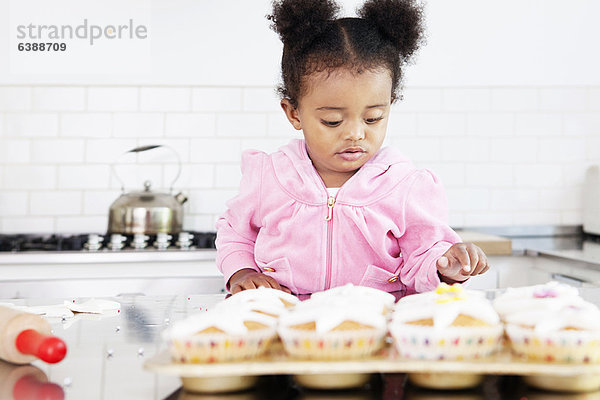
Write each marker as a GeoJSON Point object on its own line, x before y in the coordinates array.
{"type": "Point", "coordinates": [331, 123]}
{"type": "Point", "coordinates": [373, 120]}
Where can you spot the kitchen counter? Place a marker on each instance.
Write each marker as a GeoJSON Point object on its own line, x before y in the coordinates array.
{"type": "Point", "coordinates": [105, 256]}
{"type": "Point", "coordinates": [46, 274]}
{"type": "Point", "coordinates": [106, 355]}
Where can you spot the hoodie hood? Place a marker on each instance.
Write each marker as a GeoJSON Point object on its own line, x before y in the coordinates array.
{"type": "Point", "coordinates": [375, 179]}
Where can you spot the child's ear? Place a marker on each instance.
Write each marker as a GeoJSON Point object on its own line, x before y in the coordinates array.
{"type": "Point", "coordinates": [291, 113]}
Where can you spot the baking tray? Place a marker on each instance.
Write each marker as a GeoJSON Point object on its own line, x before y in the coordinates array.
{"type": "Point", "coordinates": [276, 362]}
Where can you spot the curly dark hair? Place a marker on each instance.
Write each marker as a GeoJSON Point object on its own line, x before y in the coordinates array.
{"type": "Point", "coordinates": [386, 35]}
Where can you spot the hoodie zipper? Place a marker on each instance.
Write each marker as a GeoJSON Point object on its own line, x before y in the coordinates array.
{"type": "Point", "coordinates": [329, 219]}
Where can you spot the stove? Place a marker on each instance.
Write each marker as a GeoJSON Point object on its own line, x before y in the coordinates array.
{"type": "Point", "coordinates": [93, 242]}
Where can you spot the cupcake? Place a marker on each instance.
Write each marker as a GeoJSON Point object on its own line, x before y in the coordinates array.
{"type": "Point", "coordinates": [357, 294]}
{"type": "Point", "coordinates": [448, 323]}
{"type": "Point", "coordinates": [332, 328]}
{"type": "Point", "coordinates": [225, 333]}
{"type": "Point", "coordinates": [564, 331]}
{"type": "Point", "coordinates": [535, 297]}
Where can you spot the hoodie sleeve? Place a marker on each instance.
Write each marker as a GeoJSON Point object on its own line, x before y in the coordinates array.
{"type": "Point", "coordinates": [427, 235]}
{"type": "Point", "coordinates": [238, 227]}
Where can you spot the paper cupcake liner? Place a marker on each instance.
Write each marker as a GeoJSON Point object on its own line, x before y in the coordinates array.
{"type": "Point", "coordinates": [452, 343]}
{"type": "Point", "coordinates": [563, 346]}
{"type": "Point", "coordinates": [334, 345]}
{"type": "Point", "coordinates": [220, 347]}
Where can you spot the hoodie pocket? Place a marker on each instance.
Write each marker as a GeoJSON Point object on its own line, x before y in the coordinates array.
{"type": "Point", "coordinates": [380, 278]}
{"type": "Point", "coordinates": [280, 271]}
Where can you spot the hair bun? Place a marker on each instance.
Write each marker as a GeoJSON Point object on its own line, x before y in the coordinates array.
{"type": "Point", "coordinates": [301, 21]}
{"type": "Point", "coordinates": [398, 20]}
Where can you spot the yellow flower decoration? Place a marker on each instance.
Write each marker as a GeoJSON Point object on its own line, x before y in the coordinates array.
{"type": "Point", "coordinates": [449, 293]}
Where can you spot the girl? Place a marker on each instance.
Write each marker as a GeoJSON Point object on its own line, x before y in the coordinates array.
{"type": "Point", "coordinates": [335, 207]}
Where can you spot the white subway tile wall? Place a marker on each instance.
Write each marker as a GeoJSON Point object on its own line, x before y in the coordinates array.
{"type": "Point", "coordinates": [507, 155]}
{"type": "Point", "coordinates": [112, 99]}
{"type": "Point", "coordinates": [58, 99]}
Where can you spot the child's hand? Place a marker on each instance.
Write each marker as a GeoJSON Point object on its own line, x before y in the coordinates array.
{"type": "Point", "coordinates": [461, 261]}
{"type": "Point", "coordinates": [250, 279]}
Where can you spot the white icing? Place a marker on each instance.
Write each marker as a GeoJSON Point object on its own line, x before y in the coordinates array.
{"type": "Point", "coordinates": [67, 323]}
{"type": "Point", "coordinates": [428, 306]}
{"type": "Point", "coordinates": [371, 304]}
{"type": "Point", "coordinates": [264, 293]}
{"type": "Point", "coordinates": [329, 314]}
{"type": "Point", "coordinates": [228, 319]}
{"type": "Point", "coordinates": [258, 305]}
{"type": "Point", "coordinates": [262, 299]}
{"type": "Point", "coordinates": [56, 311]}
{"type": "Point", "coordinates": [93, 306]}
{"type": "Point", "coordinates": [358, 294]}
{"type": "Point", "coordinates": [575, 313]}
{"type": "Point", "coordinates": [549, 295]}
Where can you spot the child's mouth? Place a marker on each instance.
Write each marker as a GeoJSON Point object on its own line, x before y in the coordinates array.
{"type": "Point", "coordinates": [351, 154]}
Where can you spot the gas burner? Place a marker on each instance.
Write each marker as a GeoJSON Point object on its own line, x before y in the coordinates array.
{"type": "Point", "coordinates": [96, 242]}
{"type": "Point", "coordinates": [140, 241]}
{"type": "Point", "coordinates": [30, 242]}
{"type": "Point", "coordinates": [162, 241]}
{"type": "Point", "coordinates": [184, 240]}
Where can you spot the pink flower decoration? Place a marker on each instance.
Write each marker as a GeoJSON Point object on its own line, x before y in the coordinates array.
{"type": "Point", "coordinates": [545, 293]}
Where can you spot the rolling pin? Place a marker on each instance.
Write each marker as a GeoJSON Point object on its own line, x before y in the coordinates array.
{"type": "Point", "coordinates": [25, 337]}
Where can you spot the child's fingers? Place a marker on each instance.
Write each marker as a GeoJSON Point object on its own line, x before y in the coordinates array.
{"type": "Point", "coordinates": [459, 261]}
{"type": "Point", "coordinates": [449, 266]}
{"type": "Point", "coordinates": [236, 288]}
{"type": "Point", "coordinates": [461, 255]}
{"type": "Point", "coordinates": [479, 268]}
{"type": "Point", "coordinates": [443, 262]}
{"type": "Point", "coordinates": [456, 259]}
{"type": "Point", "coordinates": [272, 283]}
{"type": "Point", "coordinates": [248, 284]}
{"type": "Point", "coordinates": [484, 269]}
{"type": "Point", "coordinates": [474, 258]}
{"type": "Point", "coordinates": [286, 289]}
{"type": "Point", "coordinates": [462, 260]}
{"type": "Point", "coordinates": [483, 264]}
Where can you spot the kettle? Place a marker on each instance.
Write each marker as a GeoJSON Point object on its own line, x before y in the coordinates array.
{"type": "Point", "coordinates": [146, 211]}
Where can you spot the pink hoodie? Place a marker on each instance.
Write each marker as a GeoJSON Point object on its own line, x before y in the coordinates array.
{"type": "Point", "coordinates": [387, 227]}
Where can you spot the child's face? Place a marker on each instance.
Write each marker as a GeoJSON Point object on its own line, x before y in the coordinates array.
{"type": "Point", "coordinates": [344, 117]}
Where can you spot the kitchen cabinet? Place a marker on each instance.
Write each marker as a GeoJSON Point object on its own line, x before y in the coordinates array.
{"type": "Point", "coordinates": [77, 274]}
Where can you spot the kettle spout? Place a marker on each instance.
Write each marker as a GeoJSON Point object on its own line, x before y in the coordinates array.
{"type": "Point", "coordinates": [181, 198]}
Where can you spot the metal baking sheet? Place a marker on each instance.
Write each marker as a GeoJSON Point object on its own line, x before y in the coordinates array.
{"type": "Point", "coordinates": [276, 362]}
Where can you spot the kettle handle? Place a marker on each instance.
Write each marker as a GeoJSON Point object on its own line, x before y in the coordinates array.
{"type": "Point", "coordinates": [140, 149]}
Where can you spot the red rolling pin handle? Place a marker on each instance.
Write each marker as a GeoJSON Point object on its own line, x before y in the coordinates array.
{"type": "Point", "coordinates": [47, 348]}
{"type": "Point", "coordinates": [28, 388]}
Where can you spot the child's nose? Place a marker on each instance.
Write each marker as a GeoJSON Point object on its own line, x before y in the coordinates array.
{"type": "Point", "coordinates": [355, 132]}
